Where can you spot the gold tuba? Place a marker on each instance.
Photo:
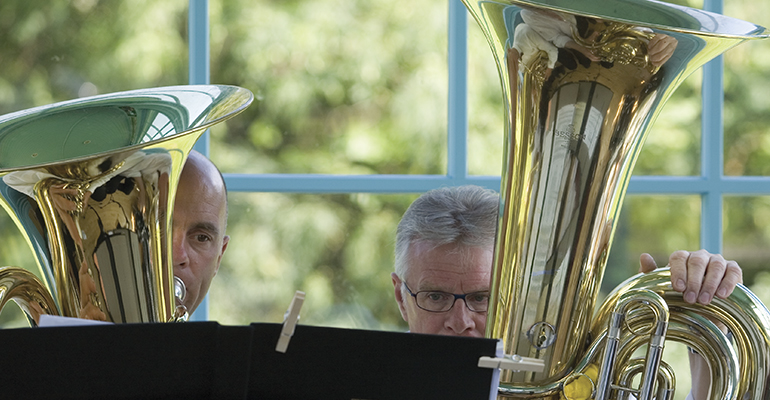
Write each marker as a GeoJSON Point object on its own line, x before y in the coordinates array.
{"type": "Point", "coordinates": [582, 83]}
{"type": "Point", "coordinates": [91, 184]}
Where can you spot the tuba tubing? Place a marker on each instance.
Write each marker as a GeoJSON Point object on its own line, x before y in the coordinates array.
{"type": "Point", "coordinates": [739, 361]}
{"type": "Point", "coordinates": [657, 333]}
{"type": "Point", "coordinates": [23, 287]}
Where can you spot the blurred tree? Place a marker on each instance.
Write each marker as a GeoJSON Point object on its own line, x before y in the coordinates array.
{"type": "Point", "coordinates": [73, 49]}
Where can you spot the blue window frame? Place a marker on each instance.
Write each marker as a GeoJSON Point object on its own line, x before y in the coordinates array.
{"type": "Point", "coordinates": [711, 185]}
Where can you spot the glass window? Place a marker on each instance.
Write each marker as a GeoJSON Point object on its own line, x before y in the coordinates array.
{"type": "Point", "coordinates": [746, 102]}
{"type": "Point", "coordinates": [640, 230]}
{"type": "Point", "coordinates": [80, 48]}
{"type": "Point", "coordinates": [747, 233]}
{"type": "Point", "coordinates": [485, 107]}
{"type": "Point", "coordinates": [338, 249]}
{"type": "Point", "coordinates": [342, 87]}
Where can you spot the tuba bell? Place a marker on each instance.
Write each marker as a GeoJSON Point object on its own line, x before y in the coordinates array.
{"type": "Point", "coordinates": [91, 183]}
{"type": "Point", "coordinates": [582, 83]}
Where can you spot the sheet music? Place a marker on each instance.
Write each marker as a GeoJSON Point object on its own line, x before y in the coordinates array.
{"type": "Point", "coordinates": [47, 321]}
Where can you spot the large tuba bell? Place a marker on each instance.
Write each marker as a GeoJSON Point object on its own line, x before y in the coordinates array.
{"type": "Point", "coordinates": [582, 82]}
{"type": "Point", "coordinates": [91, 184]}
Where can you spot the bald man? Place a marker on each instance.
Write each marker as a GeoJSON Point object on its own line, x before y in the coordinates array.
{"type": "Point", "coordinates": [200, 220]}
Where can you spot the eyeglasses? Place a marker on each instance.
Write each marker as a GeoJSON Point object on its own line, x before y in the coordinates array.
{"type": "Point", "coordinates": [435, 301]}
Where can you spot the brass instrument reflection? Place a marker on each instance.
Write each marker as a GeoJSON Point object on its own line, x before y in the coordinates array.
{"type": "Point", "coordinates": [102, 213]}
{"type": "Point", "coordinates": [89, 182]}
{"type": "Point", "coordinates": [544, 37]}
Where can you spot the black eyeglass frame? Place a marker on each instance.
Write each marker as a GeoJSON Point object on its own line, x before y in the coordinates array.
{"type": "Point", "coordinates": [456, 296]}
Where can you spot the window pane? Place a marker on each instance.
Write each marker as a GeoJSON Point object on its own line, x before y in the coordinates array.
{"type": "Point", "coordinates": [343, 87]}
{"type": "Point", "coordinates": [657, 225]}
{"type": "Point", "coordinates": [672, 146]}
{"type": "Point", "coordinates": [747, 101]}
{"type": "Point", "coordinates": [485, 107]}
{"type": "Point", "coordinates": [338, 249]}
{"type": "Point", "coordinates": [746, 235]}
{"type": "Point", "coordinates": [73, 49]}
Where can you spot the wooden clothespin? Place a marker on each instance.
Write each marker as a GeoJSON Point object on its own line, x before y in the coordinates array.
{"type": "Point", "coordinates": [290, 320]}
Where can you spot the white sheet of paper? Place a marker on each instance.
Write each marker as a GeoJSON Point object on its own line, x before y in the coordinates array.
{"type": "Point", "coordinates": [55, 320]}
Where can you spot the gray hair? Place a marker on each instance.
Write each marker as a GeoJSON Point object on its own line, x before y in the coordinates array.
{"type": "Point", "coordinates": [466, 215]}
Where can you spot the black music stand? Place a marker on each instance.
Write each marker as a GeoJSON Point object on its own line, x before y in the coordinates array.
{"type": "Point", "coordinates": [206, 360]}
{"type": "Point", "coordinates": [129, 361]}
{"type": "Point", "coordinates": [328, 363]}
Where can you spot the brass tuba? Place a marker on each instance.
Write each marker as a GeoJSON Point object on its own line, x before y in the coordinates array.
{"type": "Point", "coordinates": [91, 184]}
{"type": "Point", "coordinates": [582, 83]}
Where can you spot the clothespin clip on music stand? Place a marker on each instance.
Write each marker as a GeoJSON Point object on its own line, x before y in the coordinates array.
{"type": "Point", "coordinates": [513, 362]}
{"type": "Point", "coordinates": [290, 320]}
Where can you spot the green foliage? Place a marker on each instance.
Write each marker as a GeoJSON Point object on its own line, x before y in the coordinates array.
{"type": "Point", "coordinates": [336, 248]}
{"type": "Point", "coordinates": [640, 230]}
{"type": "Point", "coordinates": [352, 87]}
{"type": "Point", "coordinates": [56, 51]}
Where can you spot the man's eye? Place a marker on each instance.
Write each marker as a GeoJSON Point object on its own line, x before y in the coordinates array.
{"type": "Point", "coordinates": [203, 238]}
{"type": "Point", "coordinates": [436, 296]}
{"type": "Point", "coordinates": [479, 297]}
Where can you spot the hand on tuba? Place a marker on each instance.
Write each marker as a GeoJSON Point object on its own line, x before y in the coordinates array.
{"type": "Point", "coordinates": [699, 275]}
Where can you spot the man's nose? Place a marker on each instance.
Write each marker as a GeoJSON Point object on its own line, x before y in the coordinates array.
{"type": "Point", "coordinates": [178, 251]}
{"type": "Point", "coordinates": [460, 318]}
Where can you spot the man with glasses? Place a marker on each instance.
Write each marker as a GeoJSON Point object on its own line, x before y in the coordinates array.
{"type": "Point", "coordinates": [444, 246]}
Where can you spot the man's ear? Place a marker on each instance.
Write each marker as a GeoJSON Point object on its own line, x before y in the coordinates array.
{"type": "Point", "coordinates": [397, 291]}
{"type": "Point", "coordinates": [225, 241]}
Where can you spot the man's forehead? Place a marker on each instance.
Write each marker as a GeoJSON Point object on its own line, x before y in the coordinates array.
{"type": "Point", "coordinates": [447, 266]}
{"type": "Point", "coordinates": [190, 215]}
{"type": "Point", "coordinates": [198, 205]}
{"type": "Point", "coordinates": [207, 226]}
{"type": "Point", "coordinates": [451, 272]}
{"type": "Point", "coordinates": [452, 256]}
